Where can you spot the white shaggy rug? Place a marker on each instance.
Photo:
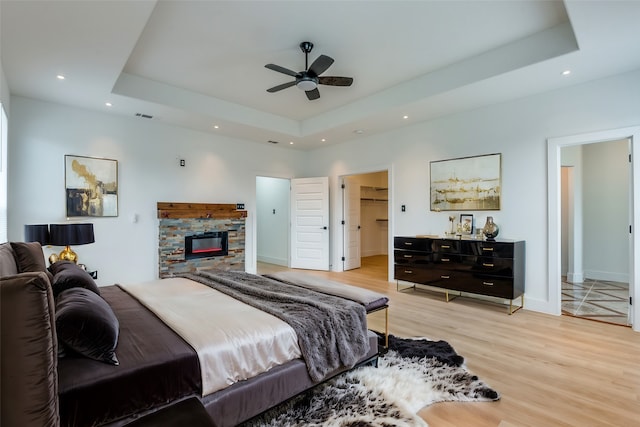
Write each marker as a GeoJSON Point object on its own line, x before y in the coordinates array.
{"type": "Point", "coordinates": [410, 376]}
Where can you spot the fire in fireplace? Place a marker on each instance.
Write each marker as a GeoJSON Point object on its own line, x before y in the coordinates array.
{"type": "Point", "coordinates": [206, 245]}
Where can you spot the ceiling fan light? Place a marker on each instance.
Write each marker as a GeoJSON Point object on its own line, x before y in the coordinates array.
{"type": "Point", "coordinates": [307, 84]}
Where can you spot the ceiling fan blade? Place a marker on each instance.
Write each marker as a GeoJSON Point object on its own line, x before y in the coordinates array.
{"type": "Point", "coordinates": [321, 64]}
{"type": "Point", "coordinates": [282, 86]}
{"type": "Point", "coordinates": [313, 94]}
{"type": "Point", "coordinates": [335, 81]}
{"type": "Point", "coordinates": [280, 69]}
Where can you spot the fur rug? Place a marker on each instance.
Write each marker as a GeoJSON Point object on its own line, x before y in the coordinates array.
{"type": "Point", "coordinates": [412, 374]}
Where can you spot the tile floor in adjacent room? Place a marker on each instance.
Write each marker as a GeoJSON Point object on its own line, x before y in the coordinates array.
{"type": "Point", "coordinates": [597, 300]}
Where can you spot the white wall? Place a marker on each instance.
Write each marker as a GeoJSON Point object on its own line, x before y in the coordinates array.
{"type": "Point", "coordinates": [4, 90]}
{"type": "Point", "coordinates": [606, 210]}
{"type": "Point", "coordinates": [218, 170]}
{"type": "Point", "coordinates": [272, 216]}
{"type": "Point", "coordinates": [519, 130]}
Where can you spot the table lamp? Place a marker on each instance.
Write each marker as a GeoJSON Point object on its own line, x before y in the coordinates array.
{"type": "Point", "coordinates": [37, 233]}
{"type": "Point", "coordinates": [70, 234]}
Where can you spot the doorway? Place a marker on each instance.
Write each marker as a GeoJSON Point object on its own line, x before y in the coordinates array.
{"type": "Point", "coordinates": [366, 222]}
{"type": "Point", "coordinates": [272, 220]}
{"type": "Point", "coordinates": [554, 163]}
{"type": "Point", "coordinates": [595, 206]}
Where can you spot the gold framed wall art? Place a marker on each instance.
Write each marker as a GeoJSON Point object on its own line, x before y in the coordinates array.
{"type": "Point", "coordinates": [466, 183]}
{"type": "Point", "coordinates": [91, 186]}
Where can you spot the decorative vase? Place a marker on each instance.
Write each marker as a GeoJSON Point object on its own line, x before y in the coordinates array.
{"type": "Point", "coordinates": [490, 229]}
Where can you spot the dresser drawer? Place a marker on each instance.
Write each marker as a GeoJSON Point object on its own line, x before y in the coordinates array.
{"type": "Point", "coordinates": [411, 258]}
{"type": "Point", "coordinates": [421, 275]}
{"type": "Point", "coordinates": [495, 286]}
{"type": "Point", "coordinates": [447, 246]}
{"type": "Point", "coordinates": [477, 284]}
{"type": "Point", "coordinates": [488, 249]}
{"type": "Point", "coordinates": [494, 266]}
{"type": "Point", "coordinates": [412, 244]}
{"type": "Point", "coordinates": [448, 261]}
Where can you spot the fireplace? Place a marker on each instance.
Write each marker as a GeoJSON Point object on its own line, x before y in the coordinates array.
{"type": "Point", "coordinates": [206, 245]}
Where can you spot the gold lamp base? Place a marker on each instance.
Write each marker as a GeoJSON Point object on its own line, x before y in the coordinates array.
{"type": "Point", "coordinates": [68, 255]}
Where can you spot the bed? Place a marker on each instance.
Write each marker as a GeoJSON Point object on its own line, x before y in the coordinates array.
{"type": "Point", "coordinates": [157, 366]}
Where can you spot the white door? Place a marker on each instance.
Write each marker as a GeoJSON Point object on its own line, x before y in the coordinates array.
{"type": "Point", "coordinates": [351, 203]}
{"type": "Point", "coordinates": [310, 223]}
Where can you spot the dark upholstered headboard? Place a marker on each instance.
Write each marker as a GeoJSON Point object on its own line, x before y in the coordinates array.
{"type": "Point", "coordinates": [28, 352]}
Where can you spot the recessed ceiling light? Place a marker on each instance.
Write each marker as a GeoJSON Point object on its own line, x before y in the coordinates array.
{"type": "Point", "coordinates": [566, 72]}
{"type": "Point", "coordinates": [60, 77]}
{"type": "Point", "coordinates": [108, 104]}
{"type": "Point", "coordinates": [216, 127]}
{"type": "Point", "coordinates": [405, 117]}
{"type": "Point", "coordinates": [290, 142]}
{"type": "Point", "coordinates": [358, 131]}
{"type": "Point", "coordinates": [323, 140]}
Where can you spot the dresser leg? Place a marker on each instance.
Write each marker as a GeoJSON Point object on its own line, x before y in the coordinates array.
{"type": "Point", "coordinates": [511, 309]}
{"type": "Point", "coordinates": [448, 298]}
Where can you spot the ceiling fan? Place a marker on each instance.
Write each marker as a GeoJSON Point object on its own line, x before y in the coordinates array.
{"type": "Point", "coordinates": [309, 79]}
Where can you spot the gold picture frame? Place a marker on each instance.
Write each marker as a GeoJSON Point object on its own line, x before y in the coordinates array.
{"type": "Point", "coordinates": [466, 183]}
{"type": "Point", "coordinates": [91, 186]}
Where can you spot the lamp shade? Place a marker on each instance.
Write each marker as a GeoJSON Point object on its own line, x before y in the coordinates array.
{"type": "Point", "coordinates": [71, 234]}
{"type": "Point", "coordinates": [37, 233]}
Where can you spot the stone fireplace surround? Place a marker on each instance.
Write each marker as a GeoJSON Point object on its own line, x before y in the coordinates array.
{"type": "Point", "coordinates": [178, 220]}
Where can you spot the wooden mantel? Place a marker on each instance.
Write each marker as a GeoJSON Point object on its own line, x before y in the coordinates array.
{"type": "Point", "coordinates": [199, 210]}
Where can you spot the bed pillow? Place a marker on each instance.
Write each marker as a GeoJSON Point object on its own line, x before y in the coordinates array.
{"type": "Point", "coordinates": [86, 325]}
{"type": "Point", "coordinates": [8, 265]}
{"type": "Point", "coordinates": [29, 257]}
{"type": "Point", "coordinates": [67, 275]}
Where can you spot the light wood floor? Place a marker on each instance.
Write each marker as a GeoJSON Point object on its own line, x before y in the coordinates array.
{"type": "Point", "coordinates": [550, 370]}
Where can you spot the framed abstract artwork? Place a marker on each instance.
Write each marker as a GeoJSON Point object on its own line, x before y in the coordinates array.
{"type": "Point", "coordinates": [91, 186]}
{"type": "Point", "coordinates": [466, 183]}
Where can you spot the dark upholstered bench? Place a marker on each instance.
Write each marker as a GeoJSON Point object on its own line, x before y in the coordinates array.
{"type": "Point", "coordinates": [188, 413]}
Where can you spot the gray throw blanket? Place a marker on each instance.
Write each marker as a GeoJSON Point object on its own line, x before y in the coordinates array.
{"type": "Point", "coordinates": [332, 332]}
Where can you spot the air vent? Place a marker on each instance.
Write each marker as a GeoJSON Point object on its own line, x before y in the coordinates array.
{"type": "Point", "coordinates": [271, 141]}
{"type": "Point", "coordinates": [144, 116]}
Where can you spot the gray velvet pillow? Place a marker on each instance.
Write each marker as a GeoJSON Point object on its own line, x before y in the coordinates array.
{"type": "Point", "coordinates": [29, 257]}
{"type": "Point", "coordinates": [86, 324]}
{"type": "Point", "coordinates": [67, 275]}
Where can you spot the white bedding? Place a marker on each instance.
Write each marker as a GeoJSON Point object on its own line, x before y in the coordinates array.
{"type": "Point", "coordinates": [234, 341]}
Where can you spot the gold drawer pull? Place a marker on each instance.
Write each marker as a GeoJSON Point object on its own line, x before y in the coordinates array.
{"type": "Point", "coordinates": [408, 243]}
{"type": "Point", "coordinates": [445, 260]}
{"type": "Point", "coordinates": [445, 277]}
{"type": "Point", "coordinates": [487, 283]}
{"type": "Point", "coordinates": [408, 256]}
{"type": "Point", "coordinates": [488, 249]}
{"type": "Point", "coordinates": [445, 246]}
{"type": "Point", "coordinates": [409, 271]}
{"type": "Point", "coordinates": [486, 264]}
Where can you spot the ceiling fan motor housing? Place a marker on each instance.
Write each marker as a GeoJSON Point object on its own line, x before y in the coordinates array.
{"type": "Point", "coordinates": [307, 82]}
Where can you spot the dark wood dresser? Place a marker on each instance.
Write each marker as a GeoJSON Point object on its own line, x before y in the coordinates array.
{"type": "Point", "coordinates": [494, 269]}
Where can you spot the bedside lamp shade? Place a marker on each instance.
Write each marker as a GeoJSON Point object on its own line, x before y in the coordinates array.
{"type": "Point", "coordinates": [70, 234]}
{"type": "Point", "coordinates": [37, 233]}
